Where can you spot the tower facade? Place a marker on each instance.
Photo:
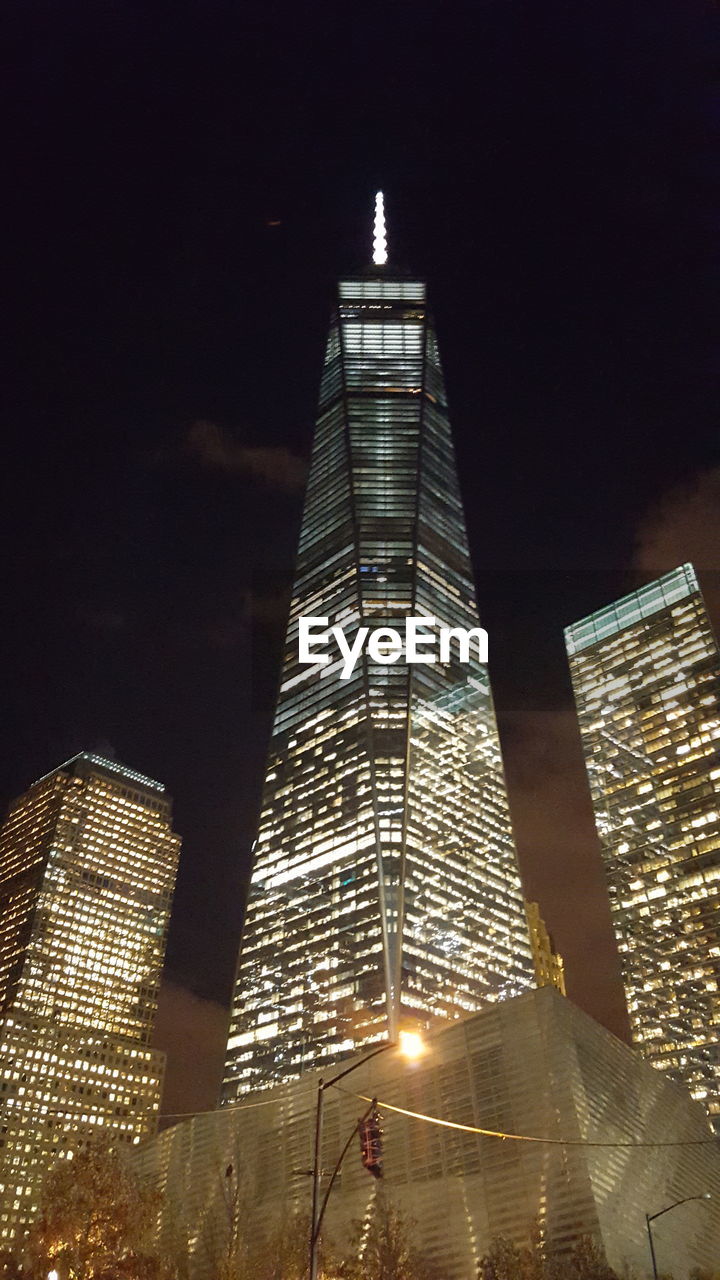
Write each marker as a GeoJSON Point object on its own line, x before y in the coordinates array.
{"type": "Point", "coordinates": [549, 965]}
{"type": "Point", "coordinates": [385, 887]}
{"type": "Point", "coordinates": [87, 867]}
{"type": "Point", "coordinates": [646, 676]}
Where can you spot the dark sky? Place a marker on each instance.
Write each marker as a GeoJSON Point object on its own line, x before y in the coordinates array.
{"type": "Point", "coordinates": [182, 185]}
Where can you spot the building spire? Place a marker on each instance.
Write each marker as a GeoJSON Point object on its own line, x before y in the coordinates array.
{"type": "Point", "coordinates": [379, 233]}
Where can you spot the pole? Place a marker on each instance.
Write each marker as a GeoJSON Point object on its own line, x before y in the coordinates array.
{"type": "Point", "coordinates": [652, 1246]}
{"type": "Point", "coordinates": [315, 1218]}
{"type": "Point", "coordinates": [337, 1169]}
{"type": "Point", "coordinates": [316, 1180]}
{"type": "Point", "coordinates": [650, 1217]}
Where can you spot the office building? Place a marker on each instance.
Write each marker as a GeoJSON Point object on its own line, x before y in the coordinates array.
{"type": "Point", "coordinates": [549, 966]}
{"type": "Point", "coordinates": [87, 868]}
{"type": "Point", "coordinates": [385, 887]}
{"type": "Point", "coordinates": [646, 676]}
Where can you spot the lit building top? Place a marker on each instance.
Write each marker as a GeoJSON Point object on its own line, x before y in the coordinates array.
{"type": "Point", "coordinates": [639, 604]}
{"type": "Point", "coordinates": [111, 766]}
{"type": "Point", "coordinates": [385, 289]}
{"type": "Point", "coordinates": [549, 965]}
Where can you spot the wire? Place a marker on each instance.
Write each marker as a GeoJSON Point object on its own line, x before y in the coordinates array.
{"type": "Point", "coordinates": [215, 1111]}
{"type": "Point", "coordinates": [523, 1137]}
{"type": "Point", "coordinates": [446, 1124]}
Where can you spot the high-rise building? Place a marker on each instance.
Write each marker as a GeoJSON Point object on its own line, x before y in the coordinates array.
{"type": "Point", "coordinates": [87, 867]}
{"type": "Point", "coordinates": [549, 965]}
{"type": "Point", "coordinates": [646, 675]}
{"type": "Point", "coordinates": [385, 885]}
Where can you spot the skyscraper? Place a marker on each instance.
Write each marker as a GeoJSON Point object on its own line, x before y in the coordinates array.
{"type": "Point", "coordinates": [646, 675]}
{"type": "Point", "coordinates": [549, 964]}
{"type": "Point", "coordinates": [385, 886]}
{"type": "Point", "coordinates": [87, 867]}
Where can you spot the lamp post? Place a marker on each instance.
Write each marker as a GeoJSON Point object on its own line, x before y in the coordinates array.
{"type": "Point", "coordinates": [650, 1217]}
{"type": "Point", "coordinates": [411, 1046]}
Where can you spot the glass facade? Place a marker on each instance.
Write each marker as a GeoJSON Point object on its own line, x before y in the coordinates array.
{"type": "Point", "coordinates": [646, 676]}
{"type": "Point", "coordinates": [87, 868]}
{"type": "Point", "coordinates": [385, 886]}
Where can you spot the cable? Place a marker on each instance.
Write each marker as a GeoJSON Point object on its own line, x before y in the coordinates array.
{"type": "Point", "coordinates": [216, 1111]}
{"type": "Point", "coordinates": [523, 1137]}
{"type": "Point", "coordinates": [446, 1124]}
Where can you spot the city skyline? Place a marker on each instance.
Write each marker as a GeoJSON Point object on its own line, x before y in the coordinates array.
{"type": "Point", "coordinates": [385, 886]}
{"type": "Point", "coordinates": [176, 227]}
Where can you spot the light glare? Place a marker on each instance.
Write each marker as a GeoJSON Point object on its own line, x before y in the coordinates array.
{"type": "Point", "coordinates": [411, 1045]}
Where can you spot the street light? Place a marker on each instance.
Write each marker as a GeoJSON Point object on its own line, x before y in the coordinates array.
{"type": "Point", "coordinates": [411, 1047]}
{"type": "Point", "coordinates": [650, 1217]}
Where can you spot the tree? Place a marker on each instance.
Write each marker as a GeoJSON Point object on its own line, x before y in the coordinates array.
{"type": "Point", "coordinates": [277, 1252]}
{"type": "Point", "coordinates": [255, 1248]}
{"type": "Point", "coordinates": [507, 1261]}
{"type": "Point", "coordinates": [288, 1249]}
{"type": "Point", "coordinates": [503, 1261]}
{"type": "Point", "coordinates": [95, 1221]}
{"type": "Point", "coordinates": [587, 1261]}
{"type": "Point", "coordinates": [382, 1248]}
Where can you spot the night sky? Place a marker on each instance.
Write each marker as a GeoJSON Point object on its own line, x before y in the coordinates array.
{"type": "Point", "coordinates": [182, 186]}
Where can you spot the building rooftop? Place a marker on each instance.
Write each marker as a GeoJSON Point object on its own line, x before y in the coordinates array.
{"type": "Point", "coordinates": [674, 586]}
{"type": "Point", "coordinates": [109, 766]}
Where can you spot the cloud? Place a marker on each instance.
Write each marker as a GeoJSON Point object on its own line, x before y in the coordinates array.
{"type": "Point", "coordinates": [684, 525]}
{"type": "Point", "coordinates": [193, 1033]}
{"type": "Point", "coordinates": [218, 449]}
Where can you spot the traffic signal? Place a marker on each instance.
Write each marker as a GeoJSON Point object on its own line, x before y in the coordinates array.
{"type": "Point", "coordinates": [371, 1150]}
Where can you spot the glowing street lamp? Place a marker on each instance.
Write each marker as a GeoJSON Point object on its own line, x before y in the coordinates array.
{"type": "Point", "coordinates": [411, 1046]}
